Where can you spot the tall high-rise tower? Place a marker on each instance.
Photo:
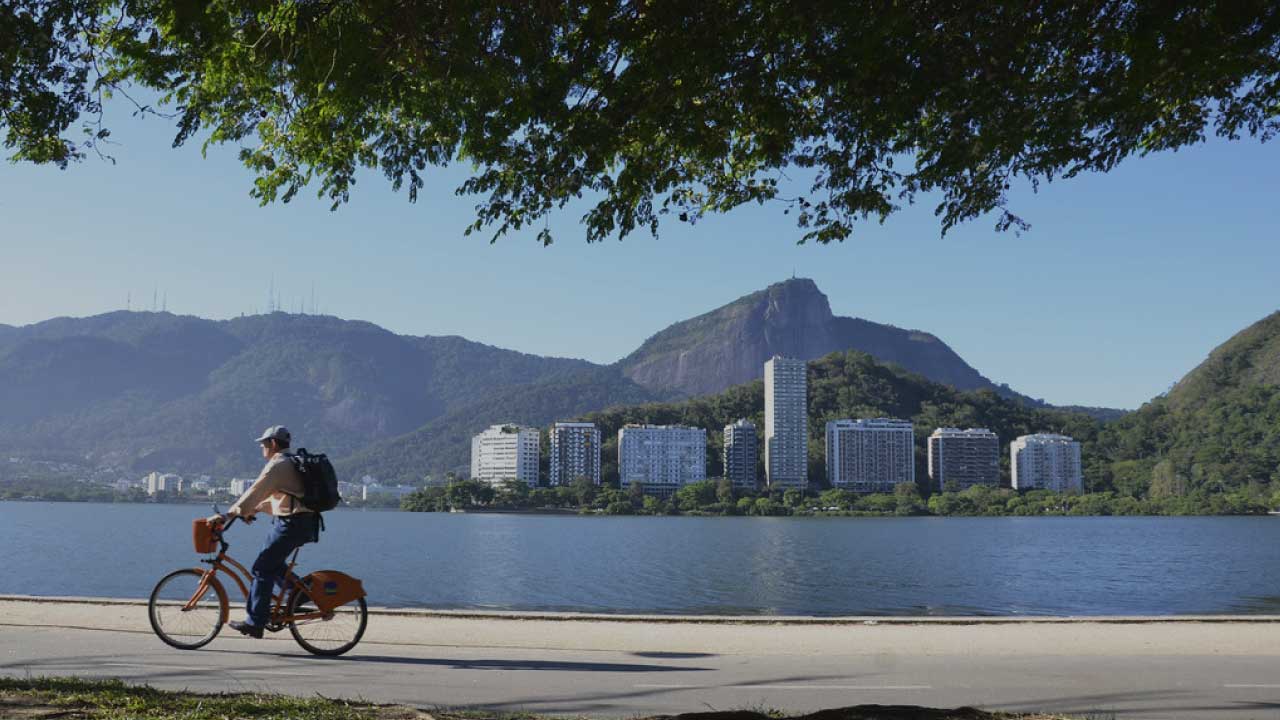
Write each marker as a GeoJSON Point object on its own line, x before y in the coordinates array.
{"type": "Point", "coordinates": [740, 454]}
{"type": "Point", "coordinates": [786, 423]}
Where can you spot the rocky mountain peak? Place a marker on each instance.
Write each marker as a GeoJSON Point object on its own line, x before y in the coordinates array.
{"type": "Point", "coordinates": [794, 315]}
{"type": "Point", "coordinates": [793, 318]}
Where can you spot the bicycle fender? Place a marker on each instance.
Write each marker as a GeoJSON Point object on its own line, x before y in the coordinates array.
{"type": "Point", "coordinates": [330, 588]}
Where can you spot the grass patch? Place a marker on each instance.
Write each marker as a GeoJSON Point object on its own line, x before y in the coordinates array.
{"type": "Point", "coordinates": [69, 698]}
{"type": "Point", "coordinates": [81, 699]}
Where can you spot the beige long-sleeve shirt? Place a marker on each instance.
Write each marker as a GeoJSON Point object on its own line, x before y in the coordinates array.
{"type": "Point", "coordinates": [275, 492]}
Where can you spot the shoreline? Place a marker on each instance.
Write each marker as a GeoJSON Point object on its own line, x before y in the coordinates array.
{"type": "Point", "coordinates": [568, 512]}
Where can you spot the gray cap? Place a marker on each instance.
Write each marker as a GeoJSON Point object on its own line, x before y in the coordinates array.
{"type": "Point", "coordinates": [276, 432]}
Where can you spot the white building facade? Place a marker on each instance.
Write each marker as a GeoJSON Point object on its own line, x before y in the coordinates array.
{"type": "Point", "coordinates": [240, 485]}
{"type": "Point", "coordinates": [575, 453]}
{"type": "Point", "coordinates": [964, 458]}
{"type": "Point", "coordinates": [786, 423]}
{"type": "Point", "coordinates": [662, 458]}
{"type": "Point", "coordinates": [870, 456]}
{"type": "Point", "coordinates": [740, 453]}
{"type": "Point", "coordinates": [505, 452]}
{"type": "Point", "coordinates": [1045, 461]}
{"type": "Point", "coordinates": [163, 483]}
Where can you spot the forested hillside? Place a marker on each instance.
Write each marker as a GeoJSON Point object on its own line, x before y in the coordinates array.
{"type": "Point", "coordinates": [157, 391]}
{"type": "Point", "coordinates": [1218, 428]}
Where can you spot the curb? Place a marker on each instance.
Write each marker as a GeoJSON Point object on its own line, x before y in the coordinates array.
{"type": "Point", "coordinates": [502, 615]}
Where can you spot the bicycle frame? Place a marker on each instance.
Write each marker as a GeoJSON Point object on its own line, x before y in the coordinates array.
{"type": "Point", "coordinates": [243, 578]}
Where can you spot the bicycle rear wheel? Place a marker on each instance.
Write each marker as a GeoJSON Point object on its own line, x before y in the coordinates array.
{"type": "Point", "coordinates": [332, 635]}
{"type": "Point", "coordinates": [173, 623]}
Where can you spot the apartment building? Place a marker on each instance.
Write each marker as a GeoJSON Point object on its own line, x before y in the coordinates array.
{"type": "Point", "coordinates": [786, 423]}
{"type": "Point", "coordinates": [870, 455]}
{"type": "Point", "coordinates": [505, 452]}
{"type": "Point", "coordinates": [963, 458]}
{"type": "Point", "coordinates": [740, 453]}
{"type": "Point", "coordinates": [1045, 461]}
{"type": "Point", "coordinates": [575, 452]}
{"type": "Point", "coordinates": [662, 458]}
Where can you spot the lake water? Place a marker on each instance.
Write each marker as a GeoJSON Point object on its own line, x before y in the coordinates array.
{"type": "Point", "coordinates": [772, 566]}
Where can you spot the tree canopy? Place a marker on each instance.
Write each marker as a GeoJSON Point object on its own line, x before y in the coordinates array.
{"type": "Point", "coordinates": [650, 109]}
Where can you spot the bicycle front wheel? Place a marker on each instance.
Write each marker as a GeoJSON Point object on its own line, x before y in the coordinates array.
{"type": "Point", "coordinates": [334, 633]}
{"type": "Point", "coordinates": [173, 622]}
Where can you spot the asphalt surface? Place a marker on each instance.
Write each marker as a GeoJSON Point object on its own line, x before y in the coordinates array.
{"type": "Point", "coordinates": [605, 668]}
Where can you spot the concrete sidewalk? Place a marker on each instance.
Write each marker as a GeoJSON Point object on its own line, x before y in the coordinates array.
{"type": "Point", "coordinates": [1232, 634]}
{"type": "Point", "coordinates": [627, 667]}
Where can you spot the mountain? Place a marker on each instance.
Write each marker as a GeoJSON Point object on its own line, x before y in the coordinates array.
{"type": "Point", "coordinates": [1217, 429]}
{"type": "Point", "coordinates": [707, 354]}
{"type": "Point", "coordinates": [730, 345]}
{"type": "Point", "coordinates": [1251, 358]}
{"type": "Point", "coordinates": [444, 444]}
{"type": "Point", "coordinates": [156, 390]}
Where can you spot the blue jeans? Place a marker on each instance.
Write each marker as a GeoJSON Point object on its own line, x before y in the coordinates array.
{"type": "Point", "coordinates": [287, 534]}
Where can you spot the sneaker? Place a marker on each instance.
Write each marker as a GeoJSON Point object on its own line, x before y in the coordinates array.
{"type": "Point", "coordinates": [246, 628]}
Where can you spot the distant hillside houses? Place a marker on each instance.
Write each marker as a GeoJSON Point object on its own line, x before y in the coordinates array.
{"type": "Point", "coordinates": [374, 490]}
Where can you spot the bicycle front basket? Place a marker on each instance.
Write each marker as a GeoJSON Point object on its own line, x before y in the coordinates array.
{"type": "Point", "coordinates": [202, 536]}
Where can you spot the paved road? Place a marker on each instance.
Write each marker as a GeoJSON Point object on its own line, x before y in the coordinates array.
{"type": "Point", "coordinates": [617, 669]}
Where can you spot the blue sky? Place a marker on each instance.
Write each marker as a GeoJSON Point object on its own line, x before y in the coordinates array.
{"type": "Point", "coordinates": [1124, 283]}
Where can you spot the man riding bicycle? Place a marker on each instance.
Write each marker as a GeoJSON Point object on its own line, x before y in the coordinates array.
{"type": "Point", "coordinates": [276, 492]}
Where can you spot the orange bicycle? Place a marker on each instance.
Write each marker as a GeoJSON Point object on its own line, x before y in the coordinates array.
{"type": "Point", "coordinates": [324, 611]}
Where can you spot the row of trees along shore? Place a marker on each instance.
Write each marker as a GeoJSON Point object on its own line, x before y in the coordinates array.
{"type": "Point", "coordinates": [720, 498]}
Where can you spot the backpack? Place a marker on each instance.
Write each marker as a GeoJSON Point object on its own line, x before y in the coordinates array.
{"type": "Point", "coordinates": [319, 481]}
